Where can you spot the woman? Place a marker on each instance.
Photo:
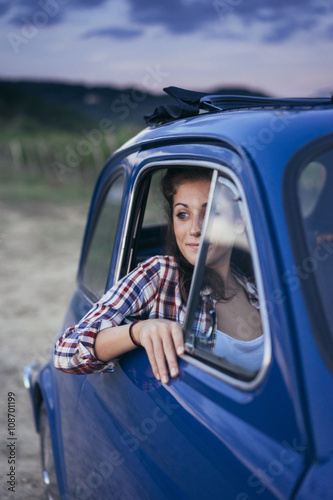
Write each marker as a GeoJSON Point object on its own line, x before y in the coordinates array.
{"type": "Point", "coordinates": [152, 297]}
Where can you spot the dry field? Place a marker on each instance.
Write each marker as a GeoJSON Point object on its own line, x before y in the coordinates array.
{"type": "Point", "coordinates": [39, 250]}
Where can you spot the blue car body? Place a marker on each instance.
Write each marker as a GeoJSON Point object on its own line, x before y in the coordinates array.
{"type": "Point", "coordinates": [121, 434]}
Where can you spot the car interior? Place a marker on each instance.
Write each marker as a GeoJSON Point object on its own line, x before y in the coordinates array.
{"type": "Point", "coordinates": [150, 231]}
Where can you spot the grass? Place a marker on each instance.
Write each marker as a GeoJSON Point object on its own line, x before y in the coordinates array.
{"type": "Point", "coordinates": [37, 191]}
{"type": "Point", "coordinates": [54, 165]}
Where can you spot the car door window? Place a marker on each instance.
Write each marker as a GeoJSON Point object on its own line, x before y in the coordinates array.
{"type": "Point", "coordinates": [98, 258]}
{"type": "Point", "coordinates": [224, 325]}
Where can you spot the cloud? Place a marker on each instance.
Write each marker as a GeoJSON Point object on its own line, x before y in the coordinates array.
{"type": "Point", "coordinates": [281, 20]}
{"type": "Point", "coordinates": [176, 16]}
{"type": "Point", "coordinates": [117, 32]}
{"type": "Point", "coordinates": [329, 32]}
{"type": "Point", "coordinates": [269, 21]}
{"type": "Point", "coordinates": [28, 11]}
{"type": "Point", "coordinates": [4, 8]}
{"type": "Point", "coordinates": [286, 27]}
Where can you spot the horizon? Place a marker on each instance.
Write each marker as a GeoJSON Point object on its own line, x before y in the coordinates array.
{"type": "Point", "coordinates": [101, 85]}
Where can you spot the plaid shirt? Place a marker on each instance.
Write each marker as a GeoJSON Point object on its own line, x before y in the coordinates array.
{"type": "Point", "coordinates": [149, 291]}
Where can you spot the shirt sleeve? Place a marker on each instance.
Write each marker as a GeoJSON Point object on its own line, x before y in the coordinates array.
{"type": "Point", "coordinates": [132, 296]}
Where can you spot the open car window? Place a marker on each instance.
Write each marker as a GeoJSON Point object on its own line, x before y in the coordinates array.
{"type": "Point", "coordinates": [224, 327]}
{"type": "Point", "coordinates": [152, 231]}
{"type": "Point", "coordinates": [147, 233]}
{"type": "Point", "coordinates": [221, 331]}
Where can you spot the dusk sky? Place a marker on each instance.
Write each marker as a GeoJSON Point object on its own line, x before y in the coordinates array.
{"type": "Point", "coordinates": [281, 47]}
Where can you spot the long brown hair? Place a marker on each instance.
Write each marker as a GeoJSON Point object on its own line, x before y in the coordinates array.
{"type": "Point", "coordinates": [173, 178]}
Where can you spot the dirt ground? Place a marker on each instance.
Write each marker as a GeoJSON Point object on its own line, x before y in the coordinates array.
{"type": "Point", "coordinates": [39, 252]}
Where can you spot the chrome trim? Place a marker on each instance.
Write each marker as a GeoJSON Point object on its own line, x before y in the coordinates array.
{"type": "Point", "coordinates": [28, 373]}
{"type": "Point", "coordinates": [46, 478]}
{"type": "Point", "coordinates": [226, 171]}
{"type": "Point", "coordinates": [210, 370]}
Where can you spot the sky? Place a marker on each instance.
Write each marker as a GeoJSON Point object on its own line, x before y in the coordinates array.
{"type": "Point", "coordinates": [280, 47]}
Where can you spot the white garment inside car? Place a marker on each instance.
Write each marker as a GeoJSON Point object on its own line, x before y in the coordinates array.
{"type": "Point", "coordinates": [245, 353]}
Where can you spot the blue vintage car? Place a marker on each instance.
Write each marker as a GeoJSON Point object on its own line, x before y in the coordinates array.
{"type": "Point", "coordinates": [220, 430]}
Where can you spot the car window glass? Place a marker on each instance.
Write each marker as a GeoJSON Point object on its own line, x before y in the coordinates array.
{"type": "Point", "coordinates": [310, 185]}
{"type": "Point", "coordinates": [315, 197]}
{"type": "Point", "coordinates": [225, 327]}
{"type": "Point", "coordinates": [97, 262]}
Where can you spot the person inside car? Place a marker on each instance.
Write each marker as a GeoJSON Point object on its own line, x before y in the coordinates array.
{"type": "Point", "coordinates": [147, 307]}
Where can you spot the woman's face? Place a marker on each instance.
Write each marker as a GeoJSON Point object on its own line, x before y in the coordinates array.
{"type": "Point", "coordinates": [189, 208]}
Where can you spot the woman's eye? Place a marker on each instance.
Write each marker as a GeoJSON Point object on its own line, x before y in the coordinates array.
{"type": "Point", "coordinates": [181, 215]}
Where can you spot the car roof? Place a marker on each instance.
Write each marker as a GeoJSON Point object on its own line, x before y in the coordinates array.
{"type": "Point", "coordinates": [241, 120]}
{"type": "Point", "coordinates": [261, 134]}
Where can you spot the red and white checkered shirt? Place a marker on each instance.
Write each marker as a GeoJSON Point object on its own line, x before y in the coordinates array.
{"type": "Point", "coordinates": [149, 291]}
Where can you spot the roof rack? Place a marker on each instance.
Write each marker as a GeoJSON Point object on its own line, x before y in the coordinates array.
{"type": "Point", "coordinates": [190, 103]}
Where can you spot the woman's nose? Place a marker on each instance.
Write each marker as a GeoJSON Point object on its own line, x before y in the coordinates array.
{"type": "Point", "coordinates": [196, 227]}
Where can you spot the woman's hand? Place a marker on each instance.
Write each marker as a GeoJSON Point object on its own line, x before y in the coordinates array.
{"type": "Point", "coordinates": [163, 341]}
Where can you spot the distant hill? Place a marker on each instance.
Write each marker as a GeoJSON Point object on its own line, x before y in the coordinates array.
{"type": "Point", "coordinates": [69, 107]}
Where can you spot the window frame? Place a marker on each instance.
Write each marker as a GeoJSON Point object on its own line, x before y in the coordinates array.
{"type": "Point", "coordinates": [91, 229]}
{"type": "Point", "coordinates": [297, 163]}
{"type": "Point", "coordinates": [125, 258]}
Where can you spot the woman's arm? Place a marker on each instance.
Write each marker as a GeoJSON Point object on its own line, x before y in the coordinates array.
{"type": "Point", "coordinates": [132, 296]}
{"type": "Point", "coordinates": [162, 339]}
{"type": "Point", "coordinates": [78, 351]}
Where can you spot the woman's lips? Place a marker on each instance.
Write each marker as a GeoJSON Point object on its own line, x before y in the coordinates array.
{"type": "Point", "coordinates": [194, 246]}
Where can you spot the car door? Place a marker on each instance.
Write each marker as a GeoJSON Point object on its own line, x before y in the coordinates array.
{"type": "Point", "coordinates": [96, 261]}
{"type": "Point", "coordinates": [219, 430]}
